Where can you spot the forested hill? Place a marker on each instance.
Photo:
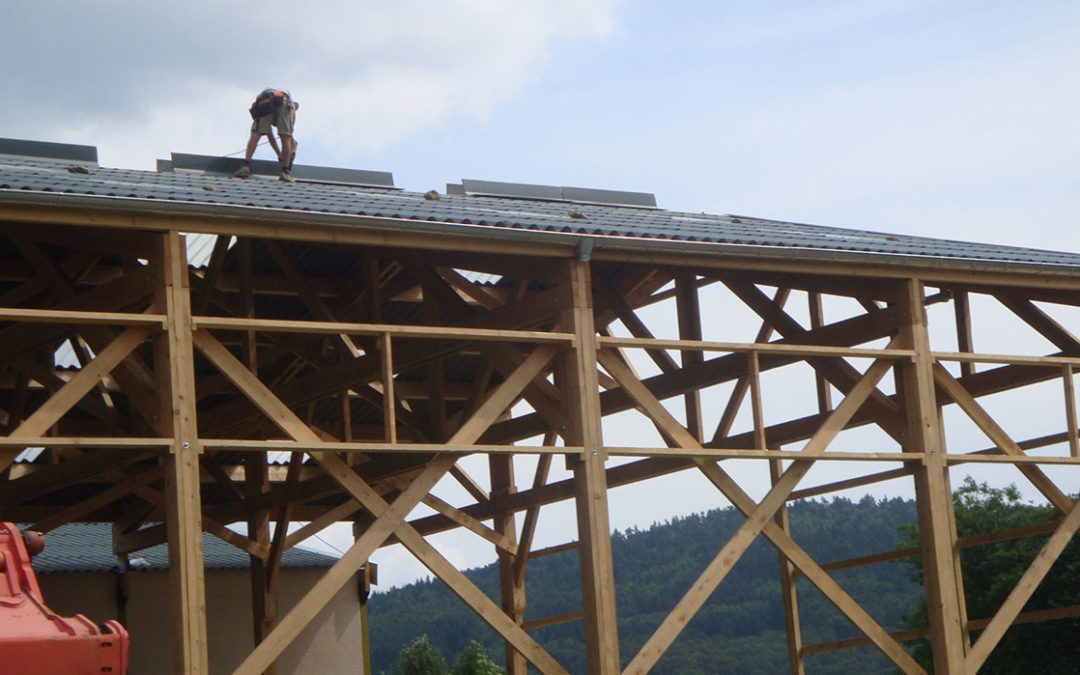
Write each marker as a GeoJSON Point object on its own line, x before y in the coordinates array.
{"type": "Point", "coordinates": [739, 630]}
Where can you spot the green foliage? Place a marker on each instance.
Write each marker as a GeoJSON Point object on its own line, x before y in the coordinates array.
{"type": "Point", "coordinates": [990, 572]}
{"type": "Point", "coordinates": [475, 661]}
{"type": "Point", "coordinates": [739, 629]}
{"type": "Point", "coordinates": [420, 658]}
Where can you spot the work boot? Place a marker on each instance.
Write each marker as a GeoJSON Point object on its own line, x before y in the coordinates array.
{"type": "Point", "coordinates": [286, 177]}
{"type": "Point", "coordinates": [243, 172]}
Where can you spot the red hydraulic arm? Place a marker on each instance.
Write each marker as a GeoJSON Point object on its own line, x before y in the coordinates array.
{"type": "Point", "coordinates": [35, 640]}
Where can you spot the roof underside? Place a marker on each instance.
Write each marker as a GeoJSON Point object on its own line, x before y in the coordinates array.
{"type": "Point", "coordinates": [59, 180]}
{"type": "Point", "coordinates": [87, 547]}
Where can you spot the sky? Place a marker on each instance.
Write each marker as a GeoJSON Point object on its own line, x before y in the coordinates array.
{"type": "Point", "coordinates": [945, 118]}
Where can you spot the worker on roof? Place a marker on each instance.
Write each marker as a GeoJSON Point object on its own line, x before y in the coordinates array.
{"type": "Point", "coordinates": [272, 108]}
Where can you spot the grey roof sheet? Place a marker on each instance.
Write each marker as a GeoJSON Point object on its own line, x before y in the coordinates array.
{"type": "Point", "coordinates": [87, 547]}
{"type": "Point", "coordinates": [639, 225]}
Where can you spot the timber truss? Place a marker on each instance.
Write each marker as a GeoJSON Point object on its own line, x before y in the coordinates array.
{"type": "Point", "coordinates": [323, 374]}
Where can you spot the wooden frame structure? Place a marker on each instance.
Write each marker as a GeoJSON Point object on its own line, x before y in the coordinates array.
{"type": "Point", "coordinates": [317, 373]}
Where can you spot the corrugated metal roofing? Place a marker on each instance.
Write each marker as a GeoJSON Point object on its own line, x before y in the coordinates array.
{"type": "Point", "coordinates": [634, 225]}
{"type": "Point", "coordinates": [87, 547]}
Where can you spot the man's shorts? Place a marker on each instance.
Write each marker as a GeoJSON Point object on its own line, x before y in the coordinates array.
{"type": "Point", "coordinates": [282, 118]}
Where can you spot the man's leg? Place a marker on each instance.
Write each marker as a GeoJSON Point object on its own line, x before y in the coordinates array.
{"type": "Point", "coordinates": [253, 142]}
{"type": "Point", "coordinates": [288, 153]}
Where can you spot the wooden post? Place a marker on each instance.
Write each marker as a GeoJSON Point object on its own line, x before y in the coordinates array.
{"type": "Point", "coordinates": [964, 342]}
{"type": "Point", "coordinates": [689, 312]}
{"type": "Point", "coordinates": [817, 320]}
{"type": "Point", "coordinates": [175, 372]}
{"type": "Point", "coordinates": [263, 599]}
{"type": "Point", "coordinates": [787, 585]}
{"type": "Point", "coordinates": [776, 469]}
{"type": "Point", "coordinates": [580, 386]}
{"type": "Point", "coordinates": [944, 593]}
{"type": "Point", "coordinates": [511, 590]}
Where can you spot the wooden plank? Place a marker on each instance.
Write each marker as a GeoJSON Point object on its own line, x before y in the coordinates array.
{"type": "Point", "coordinates": [376, 329]}
{"type": "Point", "coordinates": [688, 310]}
{"type": "Point", "coordinates": [788, 593]}
{"type": "Point", "coordinates": [511, 591]}
{"type": "Point", "coordinates": [1040, 321]}
{"type": "Point", "coordinates": [580, 386]}
{"type": "Point", "coordinates": [263, 602]}
{"type": "Point", "coordinates": [801, 560]}
{"type": "Point", "coordinates": [944, 589]}
{"type": "Point", "coordinates": [817, 320]}
{"type": "Point", "coordinates": [1070, 409]}
{"type": "Point", "coordinates": [471, 486]}
{"type": "Point", "coordinates": [1023, 590]}
{"type": "Point", "coordinates": [975, 624]}
{"type": "Point", "coordinates": [388, 517]}
{"type": "Point", "coordinates": [1053, 361]}
{"type": "Point", "coordinates": [532, 515]}
{"type": "Point", "coordinates": [378, 446]}
{"type": "Point", "coordinates": [731, 366]}
{"type": "Point", "coordinates": [840, 373]}
{"type": "Point", "coordinates": [386, 353]}
{"type": "Point", "coordinates": [334, 515]}
{"type": "Point", "coordinates": [796, 555]}
{"type": "Point", "coordinates": [566, 617]}
{"type": "Point", "coordinates": [481, 295]}
{"type": "Point", "coordinates": [480, 603]}
{"type": "Point", "coordinates": [80, 317]}
{"type": "Point", "coordinates": [997, 435]}
{"type": "Point", "coordinates": [755, 522]}
{"type": "Point", "coordinates": [731, 409]}
{"type": "Point", "coordinates": [613, 300]}
{"type": "Point", "coordinates": [759, 347]}
{"type": "Point", "coordinates": [78, 386]}
{"type": "Point", "coordinates": [964, 339]}
{"type": "Point", "coordinates": [176, 381]}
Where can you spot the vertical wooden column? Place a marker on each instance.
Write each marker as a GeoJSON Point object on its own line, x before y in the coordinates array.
{"type": "Point", "coordinates": [175, 375]}
{"type": "Point", "coordinates": [787, 570]}
{"type": "Point", "coordinates": [511, 589]}
{"type": "Point", "coordinates": [436, 375]}
{"type": "Point", "coordinates": [962, 311]}
{"type": "Point", "coordinates": [689, 312]}
{"type": "Point", "coordinates": [263, 597]}
{"type": "Point", "coordinates": [817, 320]}
{"type": "Point", "coordinates": [933, 494]}
{"type": "Point", "coordinates": [581, 393]}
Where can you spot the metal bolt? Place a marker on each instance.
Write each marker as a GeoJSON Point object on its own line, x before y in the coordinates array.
{"type": "Point", "coordinates": [186, 445]}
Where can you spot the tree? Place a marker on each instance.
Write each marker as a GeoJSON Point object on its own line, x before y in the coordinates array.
{"type": "Point", "coordinates": [474, 661]}
{"type": "Point", "coordinates": [990, 572]}
{"type": "Point", "coordinates": [420, 658]}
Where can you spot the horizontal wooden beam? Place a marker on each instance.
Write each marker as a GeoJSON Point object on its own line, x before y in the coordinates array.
{"type": "Point", "coordinates": [375, 329]}
{"type": "Point", "coordinates": [760, 453]}
{"type": "Point", "coordinates": [377, 447]}
{"type": "Point", "coordinates": [1036, 616]}
{"type": "Point", "coordinates": [85, 442]}
{"type": "Point", "coordinates": [759, 347]}
{"type": "Point", "coordinates": [554, 620]}
{"type": "Point", "coordinates": [1055, 360]}
{"type": "Point", "coordinates": [77, 317]}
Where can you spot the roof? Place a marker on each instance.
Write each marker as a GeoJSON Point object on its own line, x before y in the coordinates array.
{"type": "Point", "coordinates": [42, 172]}
{"type": "Point", "coordinates": [87, 547]}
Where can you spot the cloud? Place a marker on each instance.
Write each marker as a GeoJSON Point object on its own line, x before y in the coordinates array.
{"type": "Point", "coordinates": [181, 77]}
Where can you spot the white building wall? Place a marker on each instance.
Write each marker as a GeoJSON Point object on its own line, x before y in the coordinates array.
{"type": "Point", "coordinates": [331, 643]}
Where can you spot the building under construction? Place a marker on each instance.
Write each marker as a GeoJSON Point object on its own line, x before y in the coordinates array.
{"type": "Point", "coordinates": [342, 346]}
